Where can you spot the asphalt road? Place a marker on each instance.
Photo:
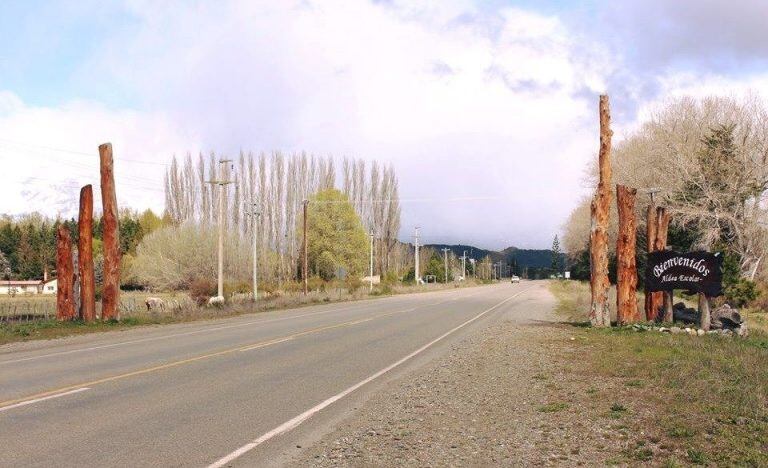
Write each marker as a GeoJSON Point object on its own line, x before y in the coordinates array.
{"type": "Point", "coordinates": [244, 391]}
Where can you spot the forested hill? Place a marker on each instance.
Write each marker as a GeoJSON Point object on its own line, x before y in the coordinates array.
{"type": "Point", "coordinates": [522, 258]}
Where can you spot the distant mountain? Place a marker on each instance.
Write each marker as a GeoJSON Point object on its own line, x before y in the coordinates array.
{"type": "Point", "coordinates": [520, 258]}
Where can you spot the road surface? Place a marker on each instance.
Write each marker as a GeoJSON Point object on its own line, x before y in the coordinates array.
{"type": "Point", "coordinates": [242, 391]}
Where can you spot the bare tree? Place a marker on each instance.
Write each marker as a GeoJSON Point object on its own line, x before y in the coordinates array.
{"type": "Point", "coordinates": [710, 158]}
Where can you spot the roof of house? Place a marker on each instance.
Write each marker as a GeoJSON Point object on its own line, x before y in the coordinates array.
{"type": "Point", "coordinates": [20, 282]}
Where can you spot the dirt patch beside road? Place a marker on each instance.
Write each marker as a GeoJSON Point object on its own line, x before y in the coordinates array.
{"type": "Point", "coordinates": [507, 395]}
{"type": "Point", "coordinates": [525, 393]}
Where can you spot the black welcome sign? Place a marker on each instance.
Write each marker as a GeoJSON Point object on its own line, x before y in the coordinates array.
{"type": "Point", "coordinates": [693, 271]}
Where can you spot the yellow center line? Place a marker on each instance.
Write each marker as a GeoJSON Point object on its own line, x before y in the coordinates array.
{"type": "Point", "coordinates": [169, 365]}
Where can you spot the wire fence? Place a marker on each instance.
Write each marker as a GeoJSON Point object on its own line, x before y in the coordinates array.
{"type": "Point", "coordinates": [178, 306]}
{"type": "Point", "coordinates": [25, 310]}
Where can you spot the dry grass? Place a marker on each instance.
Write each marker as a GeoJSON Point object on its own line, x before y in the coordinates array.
{"type": "Point", "coordinates": [693, 400]}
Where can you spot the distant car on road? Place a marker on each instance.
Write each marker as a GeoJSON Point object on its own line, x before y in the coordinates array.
{"type": "Point", "coordinates": [515, 279]}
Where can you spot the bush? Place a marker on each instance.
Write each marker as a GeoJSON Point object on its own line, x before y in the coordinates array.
{"type": "Point", "coordinates": [315, 283]}
{"type": "Point", "coordinates": [761, 301]}
{"type": "Point", "coordinates": [241, 287]}
{"type": "Point", "coordinates": [741, 292]}
{"type": "Point", "coordinates": [391, 278]}
{"type": "Point", "coordinates": [353, 283]}
{"type": "Point", "coordinates": [326, 266]}
{"type": "Point", "coordinates": [201, 289]}
{"type": "Point", "coordinates": [410, 276]}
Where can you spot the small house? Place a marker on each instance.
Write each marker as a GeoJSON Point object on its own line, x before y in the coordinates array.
{"type": "Point", "coordinates": [21, 287]}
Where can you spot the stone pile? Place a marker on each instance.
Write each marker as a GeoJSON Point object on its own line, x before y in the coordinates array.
{"type": "Point", "coordinates": [725, 320]}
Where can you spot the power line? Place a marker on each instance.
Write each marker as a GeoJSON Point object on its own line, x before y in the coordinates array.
{"type": "Point", "coordinates": [405, 200]}
{"type": "Point", "coordinates": [80, 153]}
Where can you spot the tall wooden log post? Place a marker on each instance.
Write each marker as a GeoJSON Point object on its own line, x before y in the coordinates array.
{"type": "Point", "coordinates": [85, 255]}
{"type": "Point", "coordinates": [657, 229]}
{"type": "Point", "coordinates": [110, 298]}
{"type": "Point", "coordinates": [65, 272]}
{"type": "Point", "coordinates": [626, 251]}
{"type": "Point", "coordinates": [599, 314]}
{"type": "Point", "coordinates": [650, 235]}
{"type": "Point", "coordinates": [660, 243]}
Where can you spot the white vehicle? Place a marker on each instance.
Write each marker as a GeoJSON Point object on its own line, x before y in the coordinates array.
{"type": "Point", "coordinates": [515, 279]}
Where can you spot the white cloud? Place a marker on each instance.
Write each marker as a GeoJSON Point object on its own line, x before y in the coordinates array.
{"type": "Point", "coordinates": [463, 103]}
{"type": "Point", "coordinates": [49, 153]}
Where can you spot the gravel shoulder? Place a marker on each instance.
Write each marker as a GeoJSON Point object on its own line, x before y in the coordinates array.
{"type": "Point", "coordinates": [508, 395]}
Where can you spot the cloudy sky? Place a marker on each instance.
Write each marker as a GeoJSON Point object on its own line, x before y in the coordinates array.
{"type": "Point", "coordinates": [487, 109]}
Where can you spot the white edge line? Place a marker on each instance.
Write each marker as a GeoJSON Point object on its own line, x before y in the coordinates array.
{"type": "Point", "coordinates": [296, 421]}
{"type": "Point", "coordinates": [49, 397]}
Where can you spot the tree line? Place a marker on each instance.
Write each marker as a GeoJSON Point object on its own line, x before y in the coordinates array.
{"type": "Point", "coordinates": [28, 242]}
{"type": "Point", "coordinates": [274, 185]}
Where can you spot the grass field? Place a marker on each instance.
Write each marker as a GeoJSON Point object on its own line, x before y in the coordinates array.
{"type": "Point", "coordinates": [687, 400]}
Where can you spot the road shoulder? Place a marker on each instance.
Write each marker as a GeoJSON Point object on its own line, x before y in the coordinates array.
{"type": "Point", "coordinates": [505, 395]}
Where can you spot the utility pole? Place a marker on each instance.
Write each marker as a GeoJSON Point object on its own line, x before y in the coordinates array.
{"type": "Point", "coordinates": [445, 251]}
{"type": "Point", "coordinates": [464, 266]}
{"type": "Point", "coordinates": [305, 254]}
{"type": "Point", "coordinates": [222, 184]}
{"type": "Point", "coordinates": [370, 288]}
{"type": "Point", "coordinates": [255, 216]}
{"type": "Point", "coordinates": [416, 268]}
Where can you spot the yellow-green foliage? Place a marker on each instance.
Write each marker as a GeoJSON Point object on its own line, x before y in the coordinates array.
{"type": "Point", "coordinates": [335, 228]}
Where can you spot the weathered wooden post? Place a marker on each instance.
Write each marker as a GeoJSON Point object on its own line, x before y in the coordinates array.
{"type": "Point", "coordinates": [660, 243]}
{"type": "Point", "coordinates": [110, 298]}
{"type": "Point", "coordinates": [65, 299]}
{"type": "Point", "coordinates": [706, 319]}
{"type": "Point", "coordinates": [650, 235]}
{"type": "Point", "coordinates": [657, 230]}
{"type": "Point", "coordinates": [599, 314]}
{"type": "Point", "coordinates": [85, 255]}
{"type": "Point", "coordinates": [626, 250]}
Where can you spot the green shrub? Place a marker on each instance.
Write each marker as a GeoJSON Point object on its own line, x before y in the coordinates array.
{"type": "Point", "coordinates": [741, 292]}
{"type": "Point", "coordinates": [326, 266]}
{"type": "Point", "coordinates": [761, 301]}
{"type": "Point", "coordinates": [552, 407]}
{"type": "Point", "coordinates": [391, 278]}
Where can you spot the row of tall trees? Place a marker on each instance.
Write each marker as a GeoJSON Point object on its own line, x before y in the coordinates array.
{"type": "Point", "coordinates": [706, 160]}
{"type": "Point", "coordinates": [273, 186]}
{"type": "Point", "coordinates": [28, 242]}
